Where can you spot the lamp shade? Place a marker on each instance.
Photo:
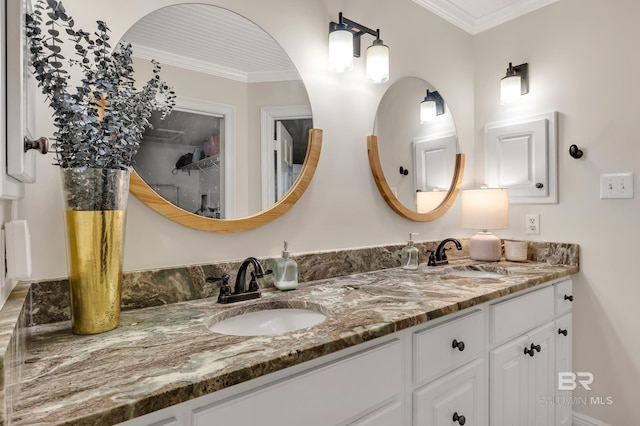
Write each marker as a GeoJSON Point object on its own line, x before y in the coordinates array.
{"type": "Point", "coordinates": [510, 88]}
{"type": "Point", "coordinates": [485, 209]}
{"type": "Point", "coordinates": [341, 48]}
{"type": "Point", "coordinates": [378, 62]}
{"type": "Point", "coordinates": [429, 200]}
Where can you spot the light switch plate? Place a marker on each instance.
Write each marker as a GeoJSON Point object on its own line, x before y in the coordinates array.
{"type": "Point", "coordinates": [616, 185]}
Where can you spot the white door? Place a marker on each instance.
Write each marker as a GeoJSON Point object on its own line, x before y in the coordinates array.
{"type": "Point", "coordinates": [284, 161]}
{"type": "Point", "coordinates": [434, 158]}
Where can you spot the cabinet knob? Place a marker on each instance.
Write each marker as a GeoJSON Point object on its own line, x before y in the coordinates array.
{"type": "Point", "coordinates": [533, 350]}
{"type": "Point", "coordinates": [539, 185]}
{"type": "Point", "coordinates": [460, 419]}
{"type": "Point", "coordinates": [561, 331]}
{"type": "Point", "coordinates": [459, 345]}
{"type": "Point", "coordinates": [568, 297]}
{"type": "Point", "coordinates": [40, 144]}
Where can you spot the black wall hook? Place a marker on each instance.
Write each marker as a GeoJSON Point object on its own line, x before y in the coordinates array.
{"type": "Point", "coordinates": [575, 152]}
{"type": "Point", "coordinates": [403, 171]}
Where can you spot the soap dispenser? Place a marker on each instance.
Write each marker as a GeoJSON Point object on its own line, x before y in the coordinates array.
{"type": "Point", "coordinates": [285, 272]}
{"type": "Point", "coordinates": [409, 256]}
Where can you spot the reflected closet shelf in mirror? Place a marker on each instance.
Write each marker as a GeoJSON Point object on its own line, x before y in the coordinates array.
{"type": "Point", "coordinates": [392, 200]}
{"type": "Point", "coordinates": [151, 198]}
{"type": "Point", "coordinates": [205, 163]}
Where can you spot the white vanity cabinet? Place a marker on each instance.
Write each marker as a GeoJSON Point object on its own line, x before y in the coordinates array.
{"type": "Point", "coordinates": [525, 354]}
{"type": "Point", "coordinates": [492, 364]}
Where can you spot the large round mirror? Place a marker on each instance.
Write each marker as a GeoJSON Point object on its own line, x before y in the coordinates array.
{"type": "Point", "coordinates": [239, 149]}
{"type": "Point", "coordinates": [414, 154]}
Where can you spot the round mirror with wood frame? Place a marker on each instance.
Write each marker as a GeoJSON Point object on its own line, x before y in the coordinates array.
{"type": "Point", "coordinates": [151, 198]}
{"type": "Point", "coordinates": [415, 135]}
{"type": "Point", "coordinates": [239, 148]}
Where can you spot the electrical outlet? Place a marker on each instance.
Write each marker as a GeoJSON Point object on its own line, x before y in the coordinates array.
{"type": "Point", "coordinates": [616, 185]}
{"type": "Point", "coordinates": [532, 223]}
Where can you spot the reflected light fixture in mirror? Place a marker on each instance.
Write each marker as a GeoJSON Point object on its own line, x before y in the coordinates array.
{"type": "Point", "coordinates": [515, 83]}
{"type": "Point", "coordinates": [431, 107]}
{"type": "Point", "coordinates": [344, 45]}
{"type": "Point", "coordinates": [429, 150]}
{"type": "Point", "coordinates": [485, 209]}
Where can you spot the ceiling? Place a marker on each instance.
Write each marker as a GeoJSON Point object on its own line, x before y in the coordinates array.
{"type": "Point", "coordinates": [475, 16]}
{"type": "Point", "coordinates": [212, 40]}
{"type": "Point", "coordinates": [182, 35]}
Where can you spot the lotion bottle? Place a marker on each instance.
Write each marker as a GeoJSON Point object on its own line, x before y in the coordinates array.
{"type": "Point", "coordinates": [410, 255]}
{"type": "Point", "coordinates": [286, 271]}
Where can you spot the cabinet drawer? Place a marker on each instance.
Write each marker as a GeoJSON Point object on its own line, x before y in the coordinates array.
{"type": "Point", "coordinates": [434, 349]}
{"type": "Point", "coordinates": [518, 315]}
{"type": "Point", "coordinates": [564, 297]}
{"type": "Point", "coordinates": [328, 395]}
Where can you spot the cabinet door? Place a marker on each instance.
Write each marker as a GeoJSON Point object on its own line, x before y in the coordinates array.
{"type": "Point", "coordinates": [509, 384]}
{"type": "Point", "coordinates": [459, 394]}
{"type": "Point", "coordinates": [564, 339]}
{"type": "Point", "coordinates": [542, 376]}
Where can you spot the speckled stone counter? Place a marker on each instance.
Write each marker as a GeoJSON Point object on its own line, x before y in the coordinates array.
{"type": "Point", "coordinates": [165, 355]}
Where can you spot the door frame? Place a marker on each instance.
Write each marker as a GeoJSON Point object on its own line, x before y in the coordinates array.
{"type": "Point", "coordinates": [268, 117]}
{"type": "Point", "coordinates": [227, 150]}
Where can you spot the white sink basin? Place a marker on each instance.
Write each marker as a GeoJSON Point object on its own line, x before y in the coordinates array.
{"type": "Point", "coordinates": [268, 321]}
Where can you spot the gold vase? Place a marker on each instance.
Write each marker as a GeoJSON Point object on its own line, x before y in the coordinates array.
{"type": "Point", "coordinates": [95, 215]}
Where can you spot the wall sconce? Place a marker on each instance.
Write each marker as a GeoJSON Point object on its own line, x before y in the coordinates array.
{"type": "Point", "coordinates": [431, 106]}
{"type": "Point", "coordinates": [515, 83]}
{"type": "Point", "coordinates": [485, 209]}
{"type": "Point", "coordinates": [344, 45]}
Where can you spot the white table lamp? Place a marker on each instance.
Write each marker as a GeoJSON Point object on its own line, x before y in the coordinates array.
{"type": "Point", "coordinates": [485, 209]}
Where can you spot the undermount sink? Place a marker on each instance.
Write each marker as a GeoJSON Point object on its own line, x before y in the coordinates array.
{"type": "Point", "coordinates": [267, 320]}
{"type": "Point", "coordinates": [476, 272]}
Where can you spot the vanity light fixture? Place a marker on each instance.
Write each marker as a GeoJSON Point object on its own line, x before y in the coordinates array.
{"type": "Point", "coordinates": [515, 83]}
{"type": "Point", "coordinates": [431, 106]}
{"type": "Point", "coordinates": [485, 209]}
{"type": "Point", "coordinates": [344, 45]}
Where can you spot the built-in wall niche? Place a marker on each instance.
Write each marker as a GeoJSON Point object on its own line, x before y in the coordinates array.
{"type": "Point", "coordinates": [522, 155]}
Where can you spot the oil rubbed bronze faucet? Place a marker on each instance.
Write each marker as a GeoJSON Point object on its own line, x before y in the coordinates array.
{"type": "Point", "coordinates": [241, 290]}
{"type": "Point", "coordinates": [440, 255]}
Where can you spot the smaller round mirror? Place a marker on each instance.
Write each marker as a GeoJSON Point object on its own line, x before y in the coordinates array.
{"type": "Point", "coordinates": [413, 153]}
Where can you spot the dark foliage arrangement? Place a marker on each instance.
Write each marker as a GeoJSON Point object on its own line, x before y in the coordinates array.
{"type": "Point", "coordinates": [101, 119]}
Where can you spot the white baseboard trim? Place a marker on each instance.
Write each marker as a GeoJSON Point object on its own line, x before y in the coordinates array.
{"type": "Point", "coordinates": [582, 420]}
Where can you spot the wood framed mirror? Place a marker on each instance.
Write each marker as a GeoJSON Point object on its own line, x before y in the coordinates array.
{"type": "Point", "coordinates": [239, 149]}
{"type": "Point", "coordinates": [415, 162]}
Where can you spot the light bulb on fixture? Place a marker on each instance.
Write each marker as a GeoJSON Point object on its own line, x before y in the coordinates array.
{"type": "Point", "coordinates": [431, 106]}
{"type": "Point", "coordinates": [341, 47]}
{"type": "Point", "coordinates": [515, 83]}
{"type": "Point", "coordinates": [378, 61]}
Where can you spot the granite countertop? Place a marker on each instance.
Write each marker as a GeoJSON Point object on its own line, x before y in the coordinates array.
{"type": "Point", "coordinates": [165, 355]}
